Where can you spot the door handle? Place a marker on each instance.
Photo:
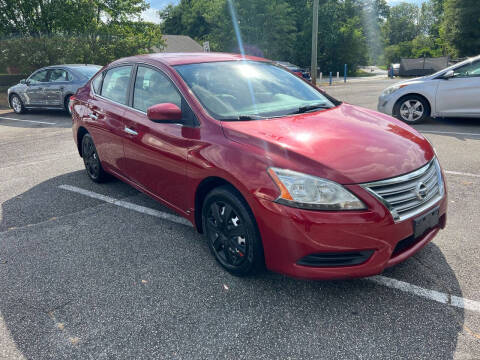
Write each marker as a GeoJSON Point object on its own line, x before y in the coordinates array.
{"type": "Point", "coordinates": [130, 131]}
{"type": "Point", "coordinates": [93, 116]}
{"type": "Point", "coordinates": [61, 87]}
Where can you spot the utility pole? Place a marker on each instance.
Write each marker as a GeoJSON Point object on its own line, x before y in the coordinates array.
{"type": "Point", "coordinates": [314, 42]}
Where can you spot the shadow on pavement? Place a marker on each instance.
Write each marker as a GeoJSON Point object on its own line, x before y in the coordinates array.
{"type": "Point", "coordinates": [81, 279]}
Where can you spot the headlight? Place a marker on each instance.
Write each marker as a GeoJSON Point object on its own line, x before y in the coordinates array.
{"type": "Point", "coordinates": [441, 185]}
{"type": "Point", "coordinates": [392, 89]}
{"type": "Point", "coordinates": [310, 192]}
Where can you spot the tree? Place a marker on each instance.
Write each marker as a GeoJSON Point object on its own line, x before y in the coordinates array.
{"type": "Point", "coordinates": [460, 28]}
{"type": "Point", "coordinates": [267, 28]}
{"type": "Point", "coordinates": [402, 23]}
{"type": "Point", "coordinates": [374, 15]}
{"type": "Point", "coordinates": [47, 17]}
{"type": "Point", "coordinates": [41, 32]}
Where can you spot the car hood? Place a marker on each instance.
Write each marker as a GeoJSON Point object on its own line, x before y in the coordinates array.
{"type": "Point", "coordinates": [414, 80]}
{"type": "Point", "coordinates": [17, 87]}
{"type": "Point", "coordinates": [346, 144]}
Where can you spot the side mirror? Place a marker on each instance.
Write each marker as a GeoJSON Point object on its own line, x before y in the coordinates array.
{"type": "Point", "coordinates": [448, 75]}
{"type": "Point", "coordinates": [23, 81]}
{"type": "Point", "coordinates": [166, 112]}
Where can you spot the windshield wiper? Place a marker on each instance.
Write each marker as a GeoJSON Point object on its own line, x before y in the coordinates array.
{"type": "Point", "coordinates": [307, 108]}
{"type": "Point", "coordinates": [244, 118]}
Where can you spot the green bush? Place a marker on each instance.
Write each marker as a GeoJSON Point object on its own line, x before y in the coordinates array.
{"type": "Point", "coordinates": [26, 54]}
{"type": "Point", "coordinates": [7, 80]}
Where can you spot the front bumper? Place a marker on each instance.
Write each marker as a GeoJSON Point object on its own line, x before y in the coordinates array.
{"type": "Point", "coordinates": [290, 235]}
{"type": "Point", "coordinates": [386, 104]}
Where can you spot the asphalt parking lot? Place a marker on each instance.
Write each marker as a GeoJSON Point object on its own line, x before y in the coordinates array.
{"type": "Point", "coordinates": [85, 276]}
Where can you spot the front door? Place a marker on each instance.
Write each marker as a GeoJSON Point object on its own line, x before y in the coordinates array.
{"type": "Point", "coordinates": [459, 96]}
{"type": "Point", "coordinates": [156, 153]}
{"type": "Point", "coordinates": [35, 92]}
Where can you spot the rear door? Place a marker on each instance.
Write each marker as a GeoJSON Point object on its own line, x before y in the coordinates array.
{"type": "Point", "coordinates": [35, 92]}
{"type": "Point", "coordinates": [54, 90]}
{"type": "Point", "coordinates": [104, 115]}
{"type": "Point", "coordinates": [460, 95]}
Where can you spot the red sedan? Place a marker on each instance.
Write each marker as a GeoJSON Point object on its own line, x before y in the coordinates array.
{"type": "Point", "coordinates": [273, 171]}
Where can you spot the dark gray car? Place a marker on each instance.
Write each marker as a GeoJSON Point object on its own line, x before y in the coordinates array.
{"type": "Point", "coordinates": [50, 87]}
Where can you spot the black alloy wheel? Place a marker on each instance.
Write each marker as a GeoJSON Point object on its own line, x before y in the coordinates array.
{"type": "Point", "coordinates": [231, 232]}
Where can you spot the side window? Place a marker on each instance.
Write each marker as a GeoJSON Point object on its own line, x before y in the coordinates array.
{"type": "Point", "coordinates": [469, 70]}
{"type": "Point", "coordinates": [152, 87]}
{"type": "Point", "coordinates": [39, 77]}
{"type": "Point", "coordinates": [58, 75]}
{"type": "Point", "coordinates": [115, 84]}
{"type": "Point", "coordinates": [96, 83]}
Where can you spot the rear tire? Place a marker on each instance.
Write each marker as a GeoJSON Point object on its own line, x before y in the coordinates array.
{"type": "Point", "coordinates": [231, 232]}
{"type": "Point", "coordinates": [17, 104]}
{"type": "Point", "coordinates": [412, 109]}
{"type": "Point", "coordinates": [91, 160]}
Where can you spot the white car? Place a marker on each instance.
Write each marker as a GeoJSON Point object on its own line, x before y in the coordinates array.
{"type": "Point", "coordinates": [451, 92]}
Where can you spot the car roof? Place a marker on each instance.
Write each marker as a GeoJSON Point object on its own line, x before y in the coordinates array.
{"type": "Point", "coordinates": [72, 66]}
{"type": "Point", "coordinates": [173, 59]}
{"type": "Point", "coordinates": [287, 64]}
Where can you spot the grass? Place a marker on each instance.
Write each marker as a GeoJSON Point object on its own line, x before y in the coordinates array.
{"type": "Point", "coordinates": [361, 73]}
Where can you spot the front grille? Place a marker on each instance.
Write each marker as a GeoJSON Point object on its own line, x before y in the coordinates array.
{"type": "Point", "coordinates": [408, 195]}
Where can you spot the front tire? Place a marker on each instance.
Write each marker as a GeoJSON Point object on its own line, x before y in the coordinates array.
{"type": "Point", "coordinates": [91, 160]}
{"type": "Point", "coordinates": [231, 232]}
{"type": "Point", "coordinates": [412, 109]}
{"type": "Point", "coordinates": [17, 104]}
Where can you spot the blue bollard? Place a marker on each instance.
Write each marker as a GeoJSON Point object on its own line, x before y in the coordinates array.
{"type": "Point", "coordinates": [345, 74]}
{"type": "Point", "coordinates": [330, 78]}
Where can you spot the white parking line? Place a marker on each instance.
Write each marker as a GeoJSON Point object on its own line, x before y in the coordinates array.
{"type": "Point", "coordinates": [32, 121]}
{"type": "Point", "coordinates": [128, 205]}
{"type": "Point", "coordinates": [428, 294]}
{"type": "Point", "coordinates": [381, 280]}
{"type": "Point", "coordinates": [461, 173]}
{"type": "Point", "coordinates": [448, 132]}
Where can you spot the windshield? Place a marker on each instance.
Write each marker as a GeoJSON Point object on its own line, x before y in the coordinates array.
{"type": "Point", "coordinates": [248, 90]}
{"type": "Point", "coordinates": [454, 66]}
{"type": "Point", "coordinates": [88, 71]}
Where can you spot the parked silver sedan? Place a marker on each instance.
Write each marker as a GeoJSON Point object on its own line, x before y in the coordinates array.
{"type": "Point", "coordinates": [50, 87]}
{"type": "Point", "coordinates": [451, 92]}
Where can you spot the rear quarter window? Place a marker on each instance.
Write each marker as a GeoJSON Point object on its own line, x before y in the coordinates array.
{"type": "Point", "coordinates": [97, 83]}
{"type": "Point", "coordinates": [115, 84]}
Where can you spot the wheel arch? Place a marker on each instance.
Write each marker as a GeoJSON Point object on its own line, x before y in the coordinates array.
{"type": "Point", "coordinates": [65, 99]}
{"type": "Point", "coordinates": [80, 134]}
{"type": "Point", "coordinates": [207, 185]}
{"type": "Point", "coordinates": [402, 98]}
{"type": "Point", "coordinates": [10, 97]}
